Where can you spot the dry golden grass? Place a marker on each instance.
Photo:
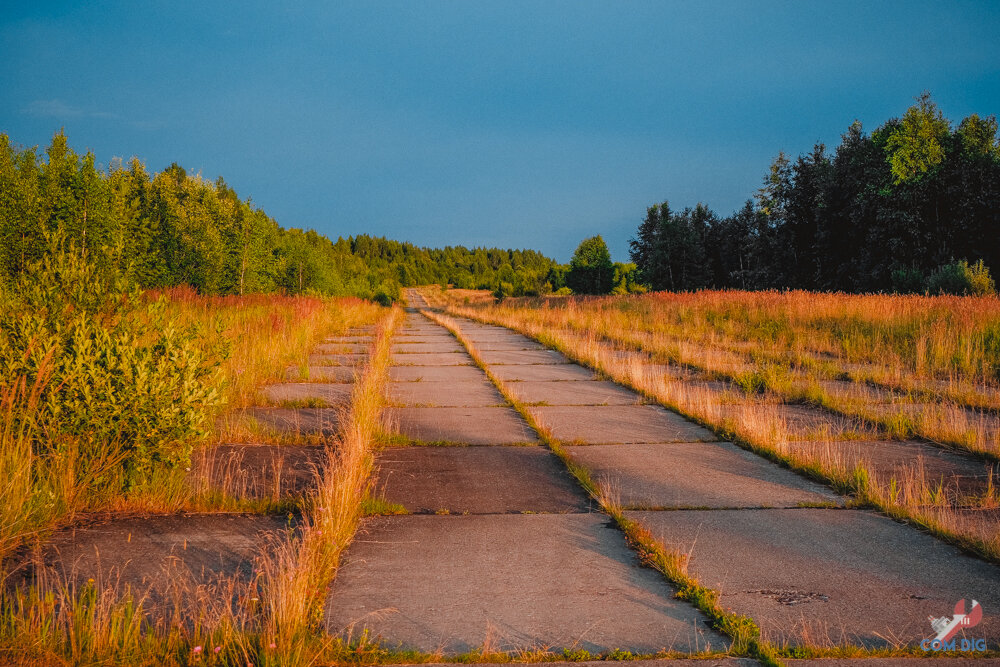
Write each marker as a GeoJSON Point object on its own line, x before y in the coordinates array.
{"type": "Point", "coordinates": [634, 340]}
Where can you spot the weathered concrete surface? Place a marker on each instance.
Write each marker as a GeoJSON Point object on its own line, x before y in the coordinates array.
{"type": "Point", "coordinates": [574, 393]}
{"type": "Point", "coordinates": [297, 421]}
{"type": "Point", "coordinates": [432, 359]}
{"type": "Point", "coordinates": [542, 372]}
{"type": "Point", "coordinates": [478, 480]}
{"type": "Point", "coordinates": [331, 393]}
{"type": "Point", "coordinates": [156, 553]}
{"type": "Point", "coordinates": [327, 359]}
{"type": "Point", "coordinates": [802, 422]}
{"type": "Point", "coordinates": [612, 424]}
{"type": "Point", "coordinates": [409, 347]}
{"type": "Point", "coordinates": [343, 348]}
{"type": "Point", "coordinates": [470, 426]}
{"type": "Point", "coordinates": [451, 583]}
{"type": "Point", "coordinates": [324, 373]}
{"type": "Point", "coordinates": [461, 393]}
{"type": "Point", "coordinates": [704, 474]}
{"type": "Point", "coordinates": [503, 345]}
{"type": "Point", "coordinates": [828, 576]}
{"type": "Point", "coordinates": [497, 337]}
{"type": "Point", "coordinates": [522, 357]}
{"type": "Point", "coordinates": [434, 374]}
{"type": "Point", "coordinates": [905, 460]}
{"type": "Point", "coordinates": [350, 340]}
{"type": "Point", "coordinates": [257, 471]}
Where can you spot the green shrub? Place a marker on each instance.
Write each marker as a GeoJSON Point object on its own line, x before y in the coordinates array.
{"type": "Point", "coordinates": [116, 379]}
{"type": "Point", "coordinates": [960, 278]}
{"type": "Point", "coordinates": [563, 291]}
{"type": "Point", "coordinates": [503, 290]}
{"type": "Point", "coordinates": [907, 280]}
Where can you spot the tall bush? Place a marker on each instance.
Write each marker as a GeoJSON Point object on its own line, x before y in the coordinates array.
{"type": "Point", "coordinates": [116, 380]}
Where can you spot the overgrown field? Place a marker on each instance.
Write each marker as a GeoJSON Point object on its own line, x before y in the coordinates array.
{"type": "Point", "coordinates": [106, 391]}
{"type": "Point", "coordinates": [864, 368]}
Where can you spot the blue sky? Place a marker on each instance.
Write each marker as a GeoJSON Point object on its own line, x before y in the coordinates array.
{"type": "Point", "coordinates": [515, 124]}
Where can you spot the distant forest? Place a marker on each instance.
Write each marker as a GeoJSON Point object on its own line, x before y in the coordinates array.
{"type": "Point", "coordinates": [912, 207]}
{"type": "Point", "coordinates": [171, 228]}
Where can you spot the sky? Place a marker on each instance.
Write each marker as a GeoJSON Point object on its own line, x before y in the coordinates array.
{"type": "Point", "coordinates": [511, 124]}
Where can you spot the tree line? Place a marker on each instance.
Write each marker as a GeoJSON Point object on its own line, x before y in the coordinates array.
{"type": "Point", "coordinates": [173, 228]}
{"type": "Point", "coordinates": [913, 206]}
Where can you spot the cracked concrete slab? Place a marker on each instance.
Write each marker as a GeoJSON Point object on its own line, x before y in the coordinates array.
{"type": "Point", "coordinates": [325, 359]}
{"type": "Point", "coordinates": [574, 393]}
{"type": "Point", "coordinates": [323, 373]}
{"type": "Point", "coordinates": [177, 555]}
{"type": "Point", "coordinates": [469, 426]}
{"type": "Point", "coordinates": [802, 422]}
{"type": "Point", "coordinates": [331, 394]}
{"type": "Point", "coordinates": [452, 583]}
{"type": "Point", "coordinates": [460, 393]}
{"type": "Point", "coordinates": [494, 345]}
{"type": "Point", "coordinates": [257, 471]}
{"type": "Point", "coordinates": [498, 357]}
{"type": "Point", "coordinates": [614, 424]}
{"type": "Point", "coordinates": [701, 474]}
{"type": "Point", "coordinates": [297, 421]}
{"type": "Point", "coordinates": [904, 460]}
{"type": "Point", "coordinates": [828, 576]}
{"type": "Point", "coordinates": [409, 347]}
{"type": "Point", "coordinates": [477, 480]}
{"type": "Point", "coordinates": [457, 358]}
{"type": "Point", "coordinates": [542, 373]}
{"type": "Point", "coordinates": [434, 373]}
{"type": "Point", "coordinates": [343, 348]}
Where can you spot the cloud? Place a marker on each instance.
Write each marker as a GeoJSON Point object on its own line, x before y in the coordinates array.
{"type": "Point", "coordinates": [56, 108]}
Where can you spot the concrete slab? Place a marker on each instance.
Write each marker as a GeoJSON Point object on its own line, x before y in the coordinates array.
{"type": "Point", "coordinates": [478, 480]}
{"type": "Point", "coordinates": [330, 394]}
{"type": "Point", "coordinates": [574, 393]}
{"type": "Point", "coordinates": [434, 373]}
{"type": "Point", "coordinates": [462, 393]}
{"type": "Point", "coordinates": [467, 426]}
{"type": "Point", "coordinates": [828, 576]}
{"type": "Point", "coordinates": [904, 460]}
{"type": "Point", "coordinates": [324, 373]}
{"type": "Point", "coordinates": [350, 340]}
{"type": "Point", "coordinates": [432, 359]}
{"type": "Point", "coordinates": [451, 583]}
{"type": "Point", "coordinates": [343, 348]}
{"type": "Point", "coordinates": [441, 337]}
{"type": "Point", "coordinates": [297, 421]}
{"type": "Point", "coordinates": [410, 347]}
{"type": "Point", "coordinates": [802, 422]}
{"type": "Point", "coordinates": [498, 337]}
{"type": "Point", "coordinates": [257, 471]}
{"type": "Point", "coordinates": [522, 357]}
{"type": "Point", "coordinates": [325, 359]}
{"type": "Point", "coordinates": [704, 474]}
{"type": "Point", "coordinates": [503, 345]}
{"type": "Point", "coordinates": [613, 424]}
{"type": "Point", "coordinates": [168, 556]}
{"type": "Point", "coordinates": [542, 373]}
